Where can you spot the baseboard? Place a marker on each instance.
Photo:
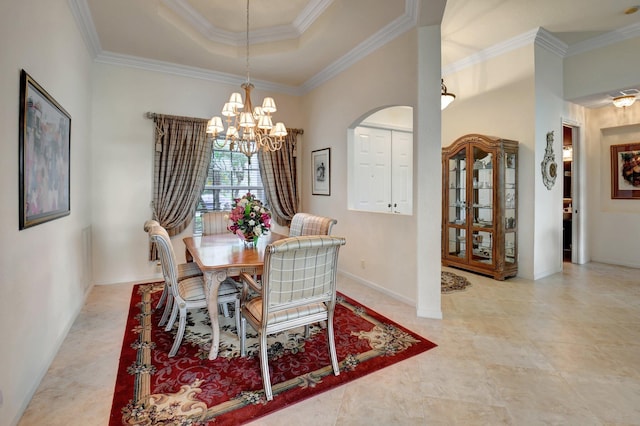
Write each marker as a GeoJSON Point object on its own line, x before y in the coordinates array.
{"type": "Point", "coordinates": [425, 313]}
{"type": "Point", "coordinates": [379, 288]}
{"type": "Point", "coordinates": [52, 356]}
{"type": "Point", "coordinates": [616, 262]}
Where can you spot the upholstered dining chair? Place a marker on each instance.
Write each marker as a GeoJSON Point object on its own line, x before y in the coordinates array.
{"type": "Point", "coordinates": [188, 293]}
{"type": "Point", "coordinates": [310, 224]}
{"type": "Point", "coordinates": [298, 289]}
{"type": "Point", "coordinates": [215, 222]}
{"type": "Point", "coordinates": [185, 270]}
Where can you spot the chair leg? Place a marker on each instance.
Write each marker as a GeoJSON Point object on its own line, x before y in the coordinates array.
{"type": "Point", "coordinates": [180, 333]}
{"type": "Point", "coordinates": [174, 315]}
{"type": "Point", "coordinates": [237, 315]}
{"type": "Point", "coordinates": [264, 367]}
{"type": "Point", "coordinates": [225, 309]}
{"type": "Point", "coordinates": [165, 290]}
{"type": "Point", "coordinates": [243, 327]}
{"type": "Point", "coordinates": [332, 345]}
{"type": "Point", "coordinates": [167, 311]}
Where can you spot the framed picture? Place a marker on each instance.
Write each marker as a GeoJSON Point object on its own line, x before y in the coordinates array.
{"type": "Point", "coordinates": [44, 146]}
{"type": "Point", "coordinates": [321, 181]}
{"type": "Point", "coordinates": [625, 171]}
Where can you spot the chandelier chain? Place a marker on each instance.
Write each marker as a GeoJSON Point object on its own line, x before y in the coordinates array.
{"type": "Point", "coordinates": [248, 129]}
{"type": "Point", "coordinates": [247, 46]}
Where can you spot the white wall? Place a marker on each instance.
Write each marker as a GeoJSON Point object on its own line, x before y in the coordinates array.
{"type": "Point", "coordinates": [123, 144]}
{"type": "Point", "coordinates": [609, 68]}
{"type": "Point", "coordinates": [494, 102]}
{"type": "Point", "coordinates": [610, 226]}
{"type": "Point", "coordinates": [385, 242]}
{"type": "Point", "coordinates": [547, 202]}
{"type": "Point", "coordinates": [43, 277]}
{"type": "Point", "coordinates": [614, 225]}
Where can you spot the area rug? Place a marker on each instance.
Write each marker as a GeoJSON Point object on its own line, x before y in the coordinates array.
{"type": "Point", "coordinates": [189, 389]}
{"type": "Point", "coordinates": [452, 282]}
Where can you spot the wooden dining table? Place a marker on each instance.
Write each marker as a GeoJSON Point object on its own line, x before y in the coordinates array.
{"type": "Point", "coordinates": [220, 256]}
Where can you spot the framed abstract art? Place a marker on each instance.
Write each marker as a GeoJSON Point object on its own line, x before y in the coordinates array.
{"type": "Point", "coordinates": [44, 148]}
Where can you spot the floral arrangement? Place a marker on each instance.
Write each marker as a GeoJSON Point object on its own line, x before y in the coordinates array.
{"type": "Point", "coordinates": [249, 218]}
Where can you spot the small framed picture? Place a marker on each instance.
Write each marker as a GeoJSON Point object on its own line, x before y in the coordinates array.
{"type": "Point", "coordinates": [321, 180]}
{"type": "Point", "coordinates": [625, 171]}
{"type": "Point", "coordinates": [44, 145]}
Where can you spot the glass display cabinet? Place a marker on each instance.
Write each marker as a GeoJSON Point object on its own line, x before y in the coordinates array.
{"type": "Point", "coordinates": [480, 205]}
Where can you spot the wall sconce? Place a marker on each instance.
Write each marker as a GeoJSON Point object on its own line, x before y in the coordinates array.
{"type": "Point", "coordinates": [567, 153]}
{"type": "Point", "coordinates": [624, 101]}
{"type": "Point", "coordinates": [445, 97]}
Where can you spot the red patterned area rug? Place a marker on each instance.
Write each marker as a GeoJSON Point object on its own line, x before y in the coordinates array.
{"type": "Point", "coordinates": [189, 389]}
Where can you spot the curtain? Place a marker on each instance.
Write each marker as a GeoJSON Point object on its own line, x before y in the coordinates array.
{"type": "Point", "coordinates": [182, 157]}
{"type": "Point", "coordinates": [279, 177]}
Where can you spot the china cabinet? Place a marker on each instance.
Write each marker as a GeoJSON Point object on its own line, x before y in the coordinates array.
{"type": "Point", "coordinates": [479, 205]}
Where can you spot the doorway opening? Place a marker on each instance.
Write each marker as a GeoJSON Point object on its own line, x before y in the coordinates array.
{"type": "Point", "coordinates": [569, 194]}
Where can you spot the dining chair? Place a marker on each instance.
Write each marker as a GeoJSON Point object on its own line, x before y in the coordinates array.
{"type": "Point", "coordinates": [310, 224]}
{"type": "Point", "coordinates": [298, 289]}
{"type": "Point", "coordinates": [185, 270]}
{"type": "Point", "coordinates": [215, 222]}
{"type": "Point", "coordinates": [188, 293]}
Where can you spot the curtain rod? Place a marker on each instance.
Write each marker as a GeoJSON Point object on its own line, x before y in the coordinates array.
{"type": "Point", "coordinates": [152, 116]}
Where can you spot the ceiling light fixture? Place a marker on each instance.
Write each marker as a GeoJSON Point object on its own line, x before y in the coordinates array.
{"type": "Point", "coordinates": [248, 128]}
{"type": "Point", "coordinates": [445, 97]}
{"type": "Point", "coordinates": [624, 101]}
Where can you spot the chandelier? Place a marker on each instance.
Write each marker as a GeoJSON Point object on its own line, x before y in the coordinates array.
{"type": "Point", "coordinates": [624, 101]}
{"type": "Point", "coordinates": [249, 129]}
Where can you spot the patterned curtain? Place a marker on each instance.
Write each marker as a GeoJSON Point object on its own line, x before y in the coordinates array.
{"type": "Point", "coordinates": [182, 157]}
{"type": "Point", "coordinates": [279, 177]}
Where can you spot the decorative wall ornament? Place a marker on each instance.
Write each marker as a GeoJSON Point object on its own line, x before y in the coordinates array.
{"type": "Point", "coordinates": [549, 166]}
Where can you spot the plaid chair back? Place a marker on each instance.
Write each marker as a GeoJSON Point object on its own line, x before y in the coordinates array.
{"type": "Point", "coordinates": [309, 224]}
{"type": "Point", "coordinates": [300, 271]}
{"type": "Point", "coordinates": [215, 222]}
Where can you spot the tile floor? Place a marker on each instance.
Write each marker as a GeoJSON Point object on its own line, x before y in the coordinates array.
{"type": "Point", "coordinates": [563, 350]}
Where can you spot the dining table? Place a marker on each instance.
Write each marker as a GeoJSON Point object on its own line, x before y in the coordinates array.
{"type": "Point", "coordinates": [220, 256]}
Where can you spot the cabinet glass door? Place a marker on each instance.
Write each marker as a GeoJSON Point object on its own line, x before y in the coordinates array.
{"type": "Point", "coordinates": [510, 206]}
{"type": "Point", "coordinates": [457, 205]}
{"type": "Point", "coordinates": [482, 205]}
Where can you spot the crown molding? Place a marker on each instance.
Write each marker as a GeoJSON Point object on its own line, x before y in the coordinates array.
{"type": "Point", "coordinates": [112, 58]}
{"type": "Point", "coordinates": [310, 13]}
{"type": "Point", "coordinates": [395, 28]}
{"type": "Point", "coordinates": [491, 52]}
{"type": "Point", "coordinates": [615, 36]}
{"type": "Point", "coordinates": [548, 41]}
{"type": "Point", "coordinates": [541, 37]}
{"type": "Point", "coordinates": [538, 36]}
{"type": "Point", "coordinates": [84, 21]}
{"type": "Point", "coordinates": [300, 24]}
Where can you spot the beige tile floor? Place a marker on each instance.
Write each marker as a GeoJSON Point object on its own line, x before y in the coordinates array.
{"type": "Point", "coordinates": [563, 350]}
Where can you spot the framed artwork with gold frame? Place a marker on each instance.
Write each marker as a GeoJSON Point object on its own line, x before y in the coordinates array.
{"type": "Point", "coordinates": [625, 171]}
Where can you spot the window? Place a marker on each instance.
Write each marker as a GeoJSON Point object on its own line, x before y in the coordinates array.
{"type": "Point", "coordinates": [230, 176]}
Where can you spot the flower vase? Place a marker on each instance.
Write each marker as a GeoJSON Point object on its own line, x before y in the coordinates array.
{"type": "Point", "coordinates": [249, 240]}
